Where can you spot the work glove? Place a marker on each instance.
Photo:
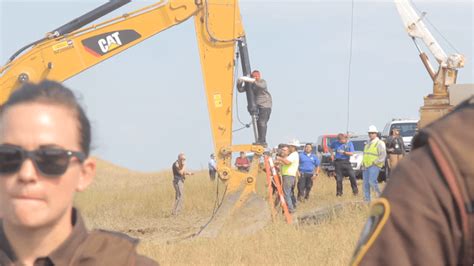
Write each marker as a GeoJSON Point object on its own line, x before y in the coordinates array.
{"type": "Point", "coordinates": [247, 79]}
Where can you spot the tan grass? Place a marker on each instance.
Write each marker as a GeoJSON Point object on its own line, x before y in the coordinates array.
{"type": "Point", "coordinates": [140, 204]}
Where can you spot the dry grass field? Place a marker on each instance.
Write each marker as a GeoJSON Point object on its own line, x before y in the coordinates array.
{"type": "Point", "coordinates": [139, 204]}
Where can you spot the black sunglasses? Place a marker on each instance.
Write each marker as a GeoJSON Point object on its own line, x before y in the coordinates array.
{"type": "Point", "coordinates": [51, 162]}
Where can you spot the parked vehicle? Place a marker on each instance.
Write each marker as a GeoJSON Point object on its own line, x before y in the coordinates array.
{"type": "Point", "coordinates": [323, 143]}
{"type": "Point", "coordinates": [359, 142]}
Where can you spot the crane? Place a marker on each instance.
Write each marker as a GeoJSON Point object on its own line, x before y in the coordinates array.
{"type": "Point", "coordinates": [437, 103]}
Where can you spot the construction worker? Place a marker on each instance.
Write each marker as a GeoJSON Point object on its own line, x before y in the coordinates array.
{"type": "Point", "coordinates": [372, 162]}
{"type": "Point", "coordinates": [179, 175]}
{"type": "Point", "coordinates": [263, 99]}
{"type": "Point", "coordinates": [45, 141]}
{"type": "Point", "coordinates": [212, 167]}
{"type": "Point", "coordinates": [425, 215]}
{"type": "Point", "coordinates": [395, 148]}
{"type": "Point", "coordinates": [309, 170]}
{"type": "Point", "coordinates": [343, 150]}
{"type": "Point", "coordinates": [289, 167]}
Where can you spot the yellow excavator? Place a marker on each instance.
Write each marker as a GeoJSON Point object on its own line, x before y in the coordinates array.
{"type": "Point", "coordinates": [75, 47]}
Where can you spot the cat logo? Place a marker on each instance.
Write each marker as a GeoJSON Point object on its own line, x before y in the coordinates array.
{"type": "Point", "coordinates": [110, 42]}
{"type": "Point", "coordinates": [102, 44]}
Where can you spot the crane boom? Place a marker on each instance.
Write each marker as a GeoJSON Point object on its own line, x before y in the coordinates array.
{"type": "Point", "coordinates": [416, 28]}
{"type": "Point", "coordinates": [436, 104]}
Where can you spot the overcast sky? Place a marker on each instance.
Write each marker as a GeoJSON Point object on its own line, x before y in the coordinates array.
{"type": "Point", "coordinates": [147, 104]}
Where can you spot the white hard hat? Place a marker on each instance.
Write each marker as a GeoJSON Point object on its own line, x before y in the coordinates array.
{"type": "Point", "coordinates": [372, 128]}
{"type": "Point", "coordinates": [293, 142]}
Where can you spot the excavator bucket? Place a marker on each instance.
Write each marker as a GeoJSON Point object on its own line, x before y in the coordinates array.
{"type": "Point", "coordinates": [242, 211]}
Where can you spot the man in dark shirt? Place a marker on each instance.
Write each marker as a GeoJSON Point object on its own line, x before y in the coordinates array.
{"type": "Point", "coordinates": [395, 148]}
{"type": "Point", "coordinates": [343, 150]}
{"type": "Point", "coordinates": [179, 175]}
{"type": "Point", "coordinates": [263, 99]}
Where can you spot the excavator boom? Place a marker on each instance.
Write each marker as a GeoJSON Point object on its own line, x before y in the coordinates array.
{"type": "Point", "coordinates": [71, 49]}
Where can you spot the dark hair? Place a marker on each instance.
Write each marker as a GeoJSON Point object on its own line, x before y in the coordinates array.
{"type": "Point", "coordinates": [52, 92]}
{"type": "Point", "coordinates": [309, 144]}
{"type": "Point", "coordinates": [255, 71]}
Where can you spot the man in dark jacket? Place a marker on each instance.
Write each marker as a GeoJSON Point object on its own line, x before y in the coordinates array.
{"type": "Point", "coordinates": [263, 99]}
{"type": "Point", "coordinates": [395, 148]}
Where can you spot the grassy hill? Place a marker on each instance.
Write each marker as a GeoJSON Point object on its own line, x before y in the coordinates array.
{"type": "Point", "coordinates": [139, 204]}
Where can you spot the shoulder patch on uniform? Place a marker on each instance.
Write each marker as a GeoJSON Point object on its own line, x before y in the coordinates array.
{"type": "Point", "coordinates": [379, 213]}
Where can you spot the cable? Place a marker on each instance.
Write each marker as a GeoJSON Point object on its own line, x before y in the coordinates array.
{"type": "Point", "coordinates": [24, 48]}
{"type": "Point", "coordinates": [236, 72]}
{"type": "Point", "coordinates": [349, 72]}
{"type": "Point", "coordinates": [436, 29]}
{"type": "Point", "coordinates": [216, 208]}
{"type": "Point", "coordinates": [240, 128]}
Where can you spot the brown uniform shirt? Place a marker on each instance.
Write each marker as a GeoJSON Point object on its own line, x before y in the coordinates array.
{"type": "Point", "coordinates": [418, 220]}
{"type": "Point", "coordinates": [422, 227]}
{"type": "Point", "coordinates": [83, 248]}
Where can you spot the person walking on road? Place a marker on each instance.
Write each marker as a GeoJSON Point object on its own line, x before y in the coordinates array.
{"type": "Point", "coordinates": [179, 175]}
{"type": "Point", "coordinates": [263, 99]}
{"type": "Point", "coordinates": [309, 170]}
{"type": "Point", "coordinates": [373, 161]}
{"type": "Point", "coordinates": [395, 149]}
{"type": "Point", "coordinates": [212, 167]}
{"type": "Point", "coordinates": [343, 150]}
{"type": "Point", "coordinates": [289, 169]}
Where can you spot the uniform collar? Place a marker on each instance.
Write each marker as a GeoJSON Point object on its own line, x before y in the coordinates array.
{"type": "Point", "coordinates": [6, 251]}
{"type": "Point", "coordinates": [61, 255]}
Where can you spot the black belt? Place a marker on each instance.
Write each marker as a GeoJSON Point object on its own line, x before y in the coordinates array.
{"type": "Point", "coordinates": [342, 160]}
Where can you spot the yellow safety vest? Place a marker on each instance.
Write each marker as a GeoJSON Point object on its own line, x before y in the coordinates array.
{"type": "Point", "coordinates": [371, 155]}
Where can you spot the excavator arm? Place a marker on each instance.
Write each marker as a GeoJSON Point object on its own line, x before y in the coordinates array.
{"type": "Point", "coordinates": [61, 56]}
{"type": "Point", "coordinates": [72, 48]}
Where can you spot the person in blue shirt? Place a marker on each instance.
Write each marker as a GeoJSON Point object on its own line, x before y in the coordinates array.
{"type": "Point", "coordinates": [309, 170]}
{"type": "Point", "coordinates": [343, 149]}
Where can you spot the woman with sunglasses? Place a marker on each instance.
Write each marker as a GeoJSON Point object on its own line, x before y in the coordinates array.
{"type": "Point", "coordinates": [44, 147]}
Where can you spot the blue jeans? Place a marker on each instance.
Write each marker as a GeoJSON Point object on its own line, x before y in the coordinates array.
{"type": "Point", "coordinates": [288, 185]}
{"type": "Point", "coordinates": [369, 176]}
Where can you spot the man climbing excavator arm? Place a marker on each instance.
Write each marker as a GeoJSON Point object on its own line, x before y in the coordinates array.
{"type": "Point", "coordinates": [72, 48]}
